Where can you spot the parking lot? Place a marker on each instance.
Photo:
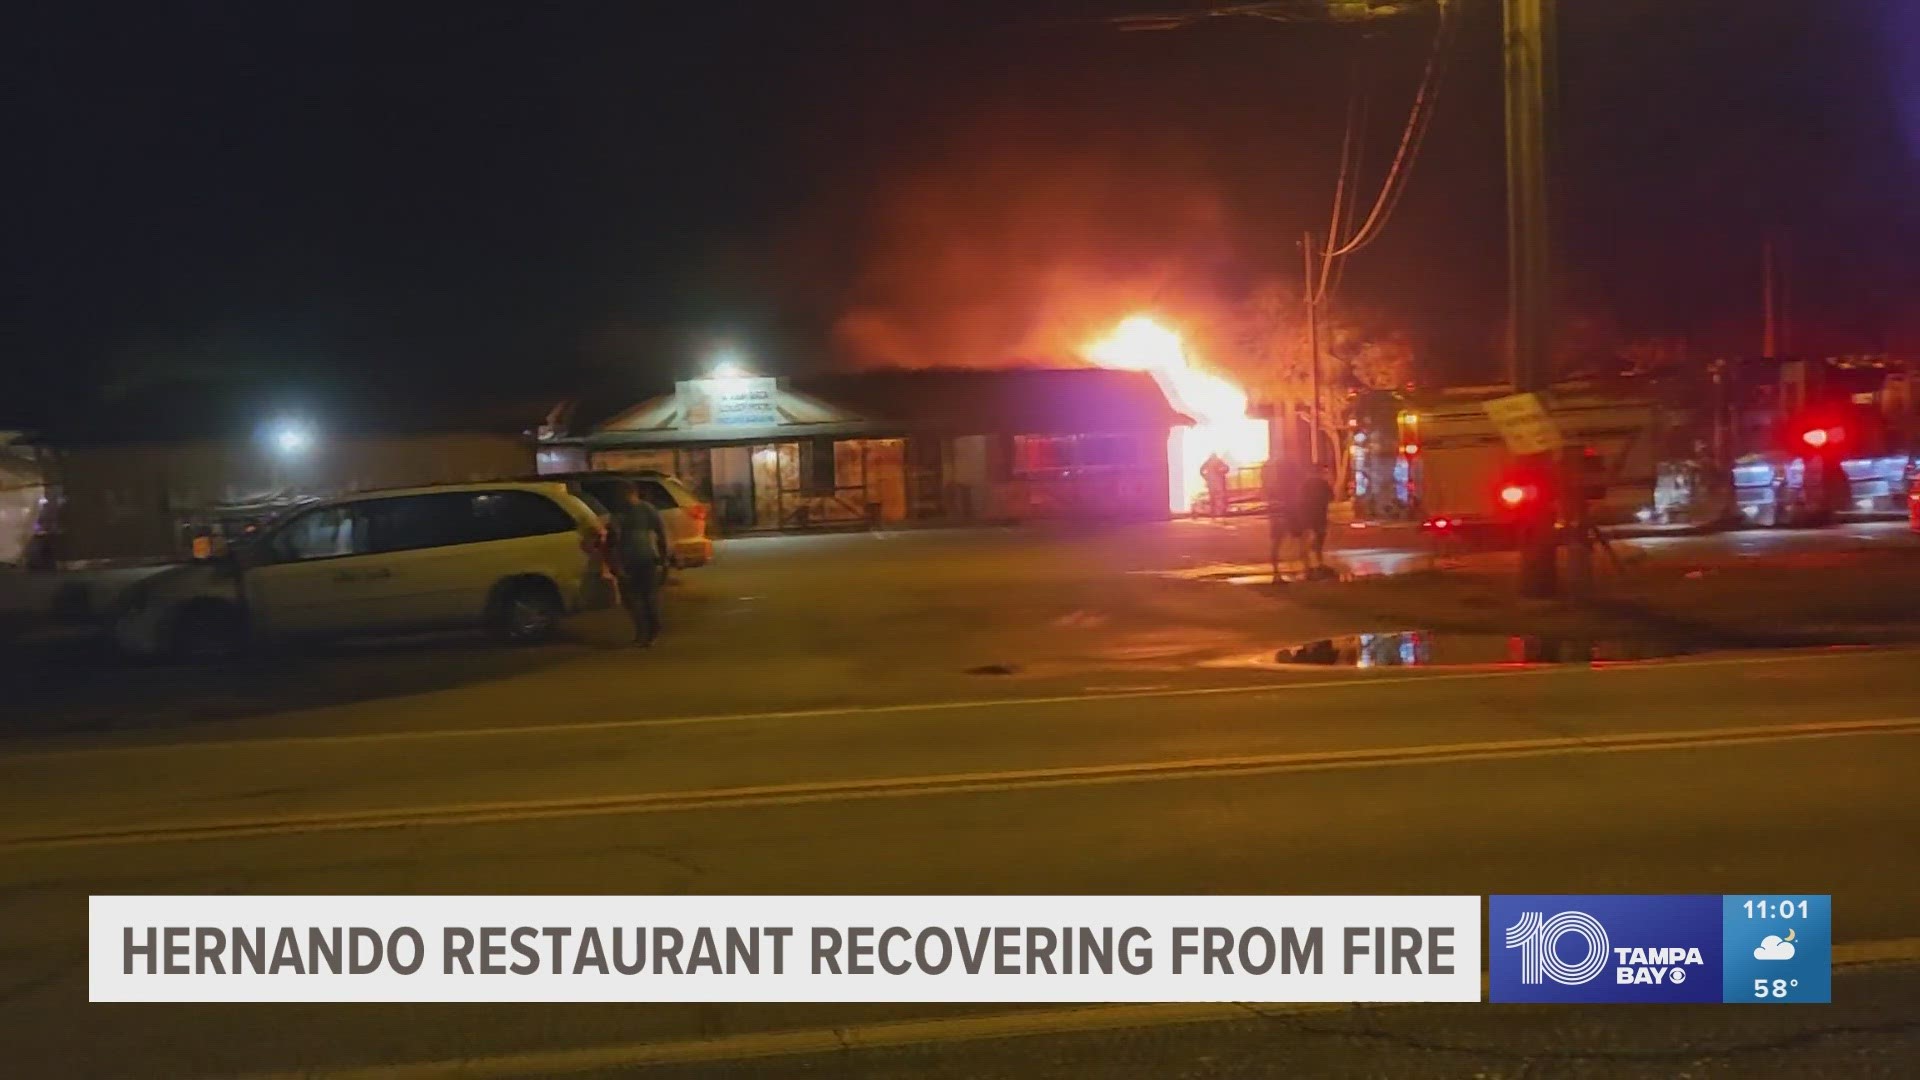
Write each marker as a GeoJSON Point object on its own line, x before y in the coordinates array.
{"type": "Point", "coordinates": [799, 622]}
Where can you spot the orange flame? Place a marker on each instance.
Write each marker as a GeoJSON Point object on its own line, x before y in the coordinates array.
{"type": "Point", "coordinates": [1218, 407]}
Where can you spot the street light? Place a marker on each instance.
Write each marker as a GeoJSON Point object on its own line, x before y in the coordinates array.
{"type": "Point", "coordinates": [291, 438]}
{"type": "Point", "coordinates": [727, 364]}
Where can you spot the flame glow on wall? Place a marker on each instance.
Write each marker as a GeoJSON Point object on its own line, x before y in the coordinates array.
{"type": "Point", "coordinates": [1219, 408]}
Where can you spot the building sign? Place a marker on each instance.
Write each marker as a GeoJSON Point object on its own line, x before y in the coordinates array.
{"type": "Point", "coordinates": [729, 402]}
{"type": "Point", "coordinates": [635, 460]}
{"type": "Point", "coordinates": [1525, 424]}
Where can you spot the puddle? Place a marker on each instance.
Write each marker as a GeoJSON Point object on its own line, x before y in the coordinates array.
{"type": "Point", "coordinates": [1418, 648]}
{"type": "Point", "coordinates": [1342, 567]}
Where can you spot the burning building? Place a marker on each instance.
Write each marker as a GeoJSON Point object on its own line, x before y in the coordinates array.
{"type": "Point", "coordinates": [1123, 439]}
{"type": "Point", "coordinates": [1220, 425]}
{"type": "Point", "coordinates": [891, 446]}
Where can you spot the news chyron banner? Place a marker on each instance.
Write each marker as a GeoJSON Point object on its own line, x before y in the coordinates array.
{"type": "Point", "coordinates": [1076, 949]}
{"type": "Point", "coordinates": [1650, 949]}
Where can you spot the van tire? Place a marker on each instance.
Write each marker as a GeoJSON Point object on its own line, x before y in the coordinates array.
{"type": "Point", "coordinates": [526, 611]}
{"type": "Point", "coordinates": [205, 630]}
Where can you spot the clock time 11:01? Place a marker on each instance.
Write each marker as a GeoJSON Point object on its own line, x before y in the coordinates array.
{"type": "Point", "coordinates": [1785, 909]}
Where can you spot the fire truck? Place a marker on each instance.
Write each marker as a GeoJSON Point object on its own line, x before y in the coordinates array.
{"type": "Point", "coordinates": [1760, 442]}
{"type": "Point", "coordinates": [1812, 438]}
{"type": "Point", "coordinates": [1464, 481]}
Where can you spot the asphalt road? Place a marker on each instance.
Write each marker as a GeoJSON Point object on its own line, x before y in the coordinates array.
{"type": "Point", "coordinates": [1445, 802]}
{"type": "Point", "coordinates": [754, 754]}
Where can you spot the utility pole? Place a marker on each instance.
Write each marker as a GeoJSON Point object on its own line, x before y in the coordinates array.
{"type": "Point", "coordinates": [1529, 39]}
{"type": "Point", "coordinates": [1307, 252]}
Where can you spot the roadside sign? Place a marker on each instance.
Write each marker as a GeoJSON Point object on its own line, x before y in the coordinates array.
{"type": "Point", "coordinates": [1525, 423]}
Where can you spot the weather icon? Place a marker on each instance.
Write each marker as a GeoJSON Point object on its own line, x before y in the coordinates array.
{"type": "Point", "coordinates": [1775, 947]}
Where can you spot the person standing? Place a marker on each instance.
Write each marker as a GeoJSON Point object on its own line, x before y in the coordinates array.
{"type": "Point", "coordinates": [1214, 471]}
{"type": "Point", "coordinates": [1316, 495]}
{"type": "Point", "coordinates": [640, 546]}
{"type": "Point", "coordinates": [1281, 491]}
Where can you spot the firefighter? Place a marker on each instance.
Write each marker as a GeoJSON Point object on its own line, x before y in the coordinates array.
{"type": "Point", "coordinates": [1214, 471]}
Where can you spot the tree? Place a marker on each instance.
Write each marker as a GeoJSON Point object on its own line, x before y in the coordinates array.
{"type": "Point", "coordinates": [1357, 353]}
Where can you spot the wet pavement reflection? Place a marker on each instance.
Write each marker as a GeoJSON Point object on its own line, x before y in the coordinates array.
{"type": "Point", "coordinates": [1420, 648]}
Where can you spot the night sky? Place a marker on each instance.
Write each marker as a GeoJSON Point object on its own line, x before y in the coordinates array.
{"type": "Point", "coordinates": [522, 198]}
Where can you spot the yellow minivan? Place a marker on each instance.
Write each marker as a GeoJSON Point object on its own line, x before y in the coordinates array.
{"type": "Point", "coordinates": [514, 557]}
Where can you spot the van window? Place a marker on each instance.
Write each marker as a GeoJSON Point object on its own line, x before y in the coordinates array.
{"type": "Point", "coordinates": [607, 492]}
{"type": "Point", "coordinates": [450, 518]}
{"type": "Point", "coordinates": [326, 533]}
{"type": "Point", "coordinates": [502, 515]}
{"type": "Point", "coordinates": [656, 493]}
{"type": "Point", "coordinates": [410, 522]}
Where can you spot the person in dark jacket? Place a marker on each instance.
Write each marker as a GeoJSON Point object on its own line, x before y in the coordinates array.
{"type": "Point", "coordinates": [1316, 495]}
{"type": "Point", "coordinates": [1281, 489]}
{"type": "Point", "coordinates": [639, 544]}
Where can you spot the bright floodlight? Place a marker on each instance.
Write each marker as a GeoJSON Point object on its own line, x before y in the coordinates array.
{"type": "Point", "coordinates": [292, 438]}
{"type": "Point", "coordinates": [727, 365]}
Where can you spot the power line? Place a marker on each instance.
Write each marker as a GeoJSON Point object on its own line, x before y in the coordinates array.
{"type": "Point", "coordinates": [1412, 136]}
{"type": "Point", "coordinates": [1332, 270]}
{"type": "Point", "coordinates": [1341, 213]}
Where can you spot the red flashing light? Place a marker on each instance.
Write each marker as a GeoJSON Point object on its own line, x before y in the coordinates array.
{"type": "Point", "coordinates": [1513, 495]}
{"type": "Point", "coordinates": [1412, 449]}
{"type": "Point", "coordinates": [1815, 438]}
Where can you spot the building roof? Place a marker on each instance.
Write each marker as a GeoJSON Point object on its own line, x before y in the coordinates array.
{"type": "Point", "coordinates": [1031, 401]}
{"type": "Point", "coordinates": [1027, 401]}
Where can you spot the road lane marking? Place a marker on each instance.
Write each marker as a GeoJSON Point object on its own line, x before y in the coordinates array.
{"type": "Point", "coordinates": [1354, 680]}
{"type": "Point", "coordinates": [768, 795]}
{"type": "Point", "coordinates": [1848, 958]}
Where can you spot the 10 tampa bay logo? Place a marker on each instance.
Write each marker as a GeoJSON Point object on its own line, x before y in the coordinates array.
{"type": "Point", "coordinates": [1604, 948]}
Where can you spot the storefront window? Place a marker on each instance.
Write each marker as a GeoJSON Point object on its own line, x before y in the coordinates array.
{"type": "Point", "coordinates": [1042, 455]}
{"type": "Point", "coordinates": [1037, 455]}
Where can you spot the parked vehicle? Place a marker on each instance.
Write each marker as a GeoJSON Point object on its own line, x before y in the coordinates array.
{"type": "Point", "coordinates": [1460, 472]}
{"type": "Point", "coordinates": [684, 513]}
{"type": "Point", "coordinates": [1876, 483]}
{"type": "Point", "coordinates": [1787, 490]}
{"type": "Point", "coordinates": [514, 557]}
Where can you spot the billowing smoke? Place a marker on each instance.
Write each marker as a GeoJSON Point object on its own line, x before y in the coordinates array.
{"type": "Point", "coordinates": [1011, 247]}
